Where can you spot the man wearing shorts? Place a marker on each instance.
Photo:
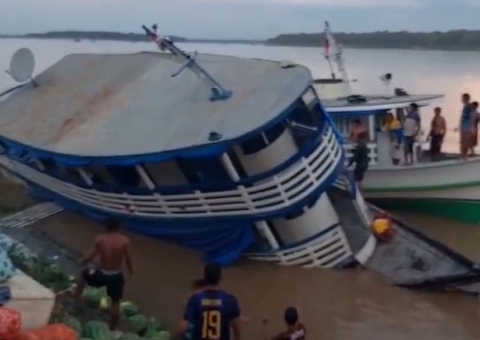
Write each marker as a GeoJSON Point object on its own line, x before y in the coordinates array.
{"type": "Point", "coordinates": [112, 249]}
{"type": "Point", "coordinates": [411, 128]}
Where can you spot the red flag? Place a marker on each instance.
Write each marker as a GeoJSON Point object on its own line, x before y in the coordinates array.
{"type": "Point", "coordinates": [327, 46]}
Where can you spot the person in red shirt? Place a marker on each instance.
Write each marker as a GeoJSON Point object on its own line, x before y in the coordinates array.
{"type": "Point", "coordinates": [295, 330]}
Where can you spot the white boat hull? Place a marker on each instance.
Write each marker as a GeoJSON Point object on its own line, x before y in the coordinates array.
{"type": "Point", "coordinates": [448, 188]}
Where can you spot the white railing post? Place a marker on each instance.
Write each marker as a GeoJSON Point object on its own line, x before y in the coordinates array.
{"type": "Point", "coordinates": [145, 177]}
{"type": "Point", "coordinates": [88, 181]}
{"type": "Point", "coordinates": [39, 164]}
{"type": "Point", "coordinates": [232, 172]}
{"type": "Point", "coordinates": [260, 225]}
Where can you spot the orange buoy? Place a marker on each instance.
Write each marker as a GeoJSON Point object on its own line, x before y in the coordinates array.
{"type": "Point", "coordinates": [382, 227]}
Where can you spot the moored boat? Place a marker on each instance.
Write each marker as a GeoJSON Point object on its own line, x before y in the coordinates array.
{"type": "Point", "coordinates": [445, 187]}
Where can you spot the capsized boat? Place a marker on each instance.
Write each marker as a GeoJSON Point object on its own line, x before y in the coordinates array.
{"type": "Point", "coordinates": [220, 154]}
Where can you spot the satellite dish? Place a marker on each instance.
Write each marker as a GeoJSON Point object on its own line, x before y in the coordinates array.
{"type": "Point", "coordinates": [22, 65]}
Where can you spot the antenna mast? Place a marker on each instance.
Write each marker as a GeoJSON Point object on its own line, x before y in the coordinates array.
{"type": "Point", "coordinates": [335, 50]}
{"type": "Point", "coordinates": [164, 43]}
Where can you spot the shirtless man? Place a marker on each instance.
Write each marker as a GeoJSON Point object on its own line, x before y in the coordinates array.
{"type": "Point", "coordinates": [112, 249]}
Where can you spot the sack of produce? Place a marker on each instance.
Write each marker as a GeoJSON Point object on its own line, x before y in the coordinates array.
{"type": "Point", "coordinates": [50, 332]}
{"type": "Point", "coordinates": [10, 322]}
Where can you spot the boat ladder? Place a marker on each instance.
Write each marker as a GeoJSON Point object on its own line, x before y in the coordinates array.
{"type": "Point", "coordinates": [30, 215]}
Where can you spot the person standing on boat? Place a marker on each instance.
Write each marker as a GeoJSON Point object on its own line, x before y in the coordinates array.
{"type": "Point", "coordinates": [112, 249]}
{"type": "Point", "coordinates": [394, 128]}
{"type": "Point", "coordinates": [211, 312]}
{"type": "Point", "coordinates": [411, 129]}
{"type": "Point", "coordinates": [437, 133]}
{"type": "Point", "coordinates": [295, 330]}
{"type": "Point", "coordinates": [360, 158]}
{"type": "Point", "coordinates": [475, 122]}
{"type": "Point", "coordinates": [356, 130]}
{"type": "Point", "coordinates": [466, 127]}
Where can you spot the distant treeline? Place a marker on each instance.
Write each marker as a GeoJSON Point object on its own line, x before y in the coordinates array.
{"type": "Point", "coordinates": [79, 35]}
{"type": "Point", "coordinates": [451, 40]}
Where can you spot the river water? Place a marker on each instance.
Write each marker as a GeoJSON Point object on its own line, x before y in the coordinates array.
{"type": "Point", "coordinates": [344, 305]}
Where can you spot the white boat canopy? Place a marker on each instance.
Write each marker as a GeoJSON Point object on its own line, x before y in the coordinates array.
{"type": "Point", "coordinates": [372, 104]}
{"type": "Point", "coordinates": [123, 105]}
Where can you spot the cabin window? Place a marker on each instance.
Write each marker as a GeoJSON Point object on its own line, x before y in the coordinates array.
{"type": "Point", "coordinates": [264, 139]}
{"type": "Point", "coordinates": [274, 132]}
{"type": "Point", "coordinates": [166, 173]}
{"type": "Point", "coordinates": [99, 175]}
{"type": "Point", "coordinates": [302, 115]}
{"type": "Point", "coordinates": [242, 173]}
{"type": "Point", "coordinates": [125, 175]}
{"type": "Point", "coordinates": [309, 97]}
{"type": "Point", "coordinates": [203, 170]}
{"type": "Point", "coordinates": [254, 144]}
{"type": "Point", "coordinates": [50, 166]}
{"type": "Point", "coordinates": [71, 174]}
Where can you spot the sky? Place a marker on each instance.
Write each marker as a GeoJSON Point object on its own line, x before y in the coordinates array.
{"type": "Point", "coordinates": [250, 19]}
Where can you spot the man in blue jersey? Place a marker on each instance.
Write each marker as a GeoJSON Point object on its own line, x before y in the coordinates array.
{"type": "Point", "coordinates": [212, 312]}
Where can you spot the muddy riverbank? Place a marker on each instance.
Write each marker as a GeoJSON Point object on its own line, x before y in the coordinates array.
{"type": "Point", "coordinates": [347, 305]}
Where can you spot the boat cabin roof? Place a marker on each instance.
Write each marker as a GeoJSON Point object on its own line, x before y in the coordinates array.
{"type": "Point", "coordinates": [129, 104]}
{"type": "Point", "coordinates": [376, 104]}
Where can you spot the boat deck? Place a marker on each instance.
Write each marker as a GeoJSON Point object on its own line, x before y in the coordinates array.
{"type": "Point", "coordinates": [129, 104]}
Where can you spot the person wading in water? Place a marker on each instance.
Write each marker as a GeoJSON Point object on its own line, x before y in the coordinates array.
{"type": "Point", "coordinates": [294, 330]}
{"type": "Point", "coordinates": [112, 249]}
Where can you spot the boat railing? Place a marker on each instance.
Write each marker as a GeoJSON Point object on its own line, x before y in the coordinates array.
{"type": "Point", "coordinates": [278, 192]}
{"type": "Point", "coordinates": [372, 152]}
{"type": "Point", "coordinates": [324, 251]}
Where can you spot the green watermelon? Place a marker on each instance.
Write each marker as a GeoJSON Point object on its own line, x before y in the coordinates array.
{"type": "Point", "coordinates": [129, 308]}
{"type": "Point", "coordinates": [139, 323]}
{"type": "Point", "coordinates": [73, 323]}
{"type": "Point", "coordinates": [97, 330]}
{"type": "Point", "coordinates": [152, 328]}
{"type": "Point", "coordinates": [163, 335]}
{"type": "Point", "coordinates": [130, 336]}
{"type": "Point", "coordinates": [93, 296]}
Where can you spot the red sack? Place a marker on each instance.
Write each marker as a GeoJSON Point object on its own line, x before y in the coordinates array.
{"type": "Point", "coordinates": [10, 322]}
{"type": "Point", "coordinates": [49, 332]}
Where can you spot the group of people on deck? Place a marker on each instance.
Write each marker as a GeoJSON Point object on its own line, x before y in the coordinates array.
{"type": "Point", "coordinates": [405, 131]}
{"type": "Point", "coordinates": [211, 313]}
